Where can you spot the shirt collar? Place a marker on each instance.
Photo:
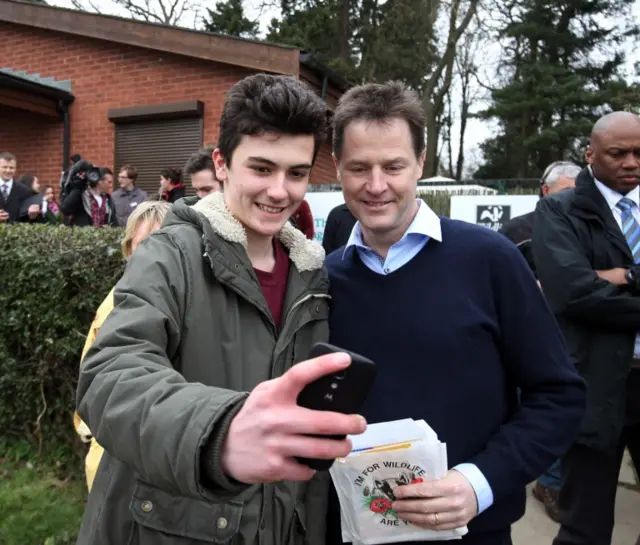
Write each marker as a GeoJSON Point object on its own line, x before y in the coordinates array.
{"type": "Point", "coordinates": [613, 197]}
{"type": "Point", "coordinates": [426, 223]}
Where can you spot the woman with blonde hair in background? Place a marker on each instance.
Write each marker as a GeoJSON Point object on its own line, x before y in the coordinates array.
{"type": "Point", "coordinates": [144, 220]}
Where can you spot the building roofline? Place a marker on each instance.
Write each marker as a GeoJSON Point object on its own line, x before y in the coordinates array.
{"type": "Point", "coordinates": [251, 54]}
{"type": "Point", "coordinates": [15, 81]}
{"type": "Point", "coordinates": [308, 60]}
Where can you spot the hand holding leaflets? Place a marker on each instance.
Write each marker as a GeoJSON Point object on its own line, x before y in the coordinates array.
{"type": "Point", "coordinates": [394, 482]}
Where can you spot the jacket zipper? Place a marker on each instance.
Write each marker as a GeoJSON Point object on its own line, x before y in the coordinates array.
{"type": "Point", "coordinates": [267, 497]}
{"type": "Point", "coordinates": [299, 302]}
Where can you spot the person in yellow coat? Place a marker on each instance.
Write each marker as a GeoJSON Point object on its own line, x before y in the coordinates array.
{"type": "Point", "coordinates": [144, 220]}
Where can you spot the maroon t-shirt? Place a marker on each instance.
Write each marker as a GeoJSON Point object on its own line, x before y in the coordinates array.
{"type": "Point", "coordinates": [274, 283]}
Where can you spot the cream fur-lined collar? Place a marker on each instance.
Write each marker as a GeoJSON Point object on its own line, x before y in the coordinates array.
{"type": "Point", "coordinates": [307, 255]}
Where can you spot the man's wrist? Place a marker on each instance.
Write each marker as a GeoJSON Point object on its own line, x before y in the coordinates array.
{"type": "Point", "coordinates": [632, 277]}
{"type": "Point", "coordinates": [215, 467]}
{"type": "Point", "coordinates": [479, 484]}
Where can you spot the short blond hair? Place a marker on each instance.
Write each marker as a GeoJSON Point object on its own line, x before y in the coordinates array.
{"type": "Point", "coordinates": [149, 213]}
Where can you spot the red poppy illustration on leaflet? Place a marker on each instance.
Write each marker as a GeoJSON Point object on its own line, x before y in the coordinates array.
{"type": "Point", "coordinates": [386, 456]}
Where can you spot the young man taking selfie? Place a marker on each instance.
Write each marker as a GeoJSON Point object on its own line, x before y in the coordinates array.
{"type": "Point", "coordinates": [191, 385]}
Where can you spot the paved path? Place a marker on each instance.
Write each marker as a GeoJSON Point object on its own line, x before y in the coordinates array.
{"type": "Point", "coordinates": [538, 529]}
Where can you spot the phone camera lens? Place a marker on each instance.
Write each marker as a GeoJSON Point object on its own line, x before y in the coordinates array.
{"type": "Point", "coordinates": [334, 385]}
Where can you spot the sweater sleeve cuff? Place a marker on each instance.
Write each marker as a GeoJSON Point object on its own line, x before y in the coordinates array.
{"type": "Point", "coordinates": [479, 483]}
{"type": "Point", "coordinates": [213, 475]}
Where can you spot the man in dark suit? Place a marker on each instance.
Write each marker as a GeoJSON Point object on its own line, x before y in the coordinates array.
{"type": "Point", "coordinates": [587, 252]}
{"type": "Point", "coordinates": [13, 194]}
{"type": "Point", "coordinates": [558, 176]}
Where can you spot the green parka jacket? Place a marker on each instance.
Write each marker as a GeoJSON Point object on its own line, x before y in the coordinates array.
{"type": "Point", "coordinates": [190, 335]}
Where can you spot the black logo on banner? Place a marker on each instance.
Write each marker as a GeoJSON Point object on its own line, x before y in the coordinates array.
{"type": "Point", "coordinates": [493, 216]}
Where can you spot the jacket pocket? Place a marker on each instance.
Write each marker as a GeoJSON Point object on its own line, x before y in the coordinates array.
{"type": "Point", "coordinates": [162, 518]}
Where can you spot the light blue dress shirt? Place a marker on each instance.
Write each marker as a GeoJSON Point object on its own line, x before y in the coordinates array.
{"type": "Point", "coordinates": [425, 225]}
{"type": "Point", "coordinates": [613, 198]}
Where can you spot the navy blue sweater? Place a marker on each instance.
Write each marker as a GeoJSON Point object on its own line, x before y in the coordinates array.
{"type": "Point", "coordinates": [454, 334]}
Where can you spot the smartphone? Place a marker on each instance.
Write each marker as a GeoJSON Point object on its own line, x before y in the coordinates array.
{"type": "Point", "coordinates": [344, 392]}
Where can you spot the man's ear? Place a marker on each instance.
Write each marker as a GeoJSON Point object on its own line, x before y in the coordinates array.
{"type": "Point", "coordinates": [336, 164]}
{"type": "Point", "coordinates": [588, 155]}
{"type": "Point", "coordinates": [220, 165]}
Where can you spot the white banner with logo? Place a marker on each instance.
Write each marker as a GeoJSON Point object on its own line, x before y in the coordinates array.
{"type": "Point", "coordinates": [321, 203]}
{"type": "Point", "coordinates": [491, 211]}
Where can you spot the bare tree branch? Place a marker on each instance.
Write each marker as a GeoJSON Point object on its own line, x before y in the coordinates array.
{"type": "Point", "coordinates": [437, 86]}
{"type": "Point", "coordinates": [446, 60]}
{"type": "Point", "coordinates": [167, 12]}
{"type": "Point", "coordinates": [77, 4]}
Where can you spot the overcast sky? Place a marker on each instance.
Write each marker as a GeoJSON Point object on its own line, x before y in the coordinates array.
{"type": "Point", "coordinates": [477, 131]}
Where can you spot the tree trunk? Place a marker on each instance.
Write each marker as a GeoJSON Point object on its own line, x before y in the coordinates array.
{"type": "Point", "coordinates": [342, 50]}
{"type": "Point", "coordinates": [435, 90]}
{"type": "Point", "coordinates": [431, 154]}
{"type": "Point", "coordinates": [464, 115]}
{"type": "Point", "coordinates": [449, 134]}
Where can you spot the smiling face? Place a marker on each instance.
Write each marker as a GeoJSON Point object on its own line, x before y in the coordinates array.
{"type": "Point", "coordinates": [266, 180]}
{"type": "Point", "coordinates": [48, 194]}
{"type": "Point", "coordinates": [7, 169]}
{"type": "Point", "coordinates": [378, 169]}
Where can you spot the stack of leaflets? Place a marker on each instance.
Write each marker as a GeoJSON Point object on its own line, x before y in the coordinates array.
{"type": "Point", "coordinates": [387, 455]}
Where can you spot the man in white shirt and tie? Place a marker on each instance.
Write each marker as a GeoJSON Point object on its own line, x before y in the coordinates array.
{"type": "Point", "coordinates": [13, 194]}
{"type": "Point", "coordinates": [587, 255]}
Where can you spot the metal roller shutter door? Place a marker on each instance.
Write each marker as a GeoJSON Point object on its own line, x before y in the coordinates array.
{"type": "Point", "coordinates": [151, 146]}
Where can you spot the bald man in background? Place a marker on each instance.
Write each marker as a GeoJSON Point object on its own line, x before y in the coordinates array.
{"type": "Point", "coordinates": [587, 250]}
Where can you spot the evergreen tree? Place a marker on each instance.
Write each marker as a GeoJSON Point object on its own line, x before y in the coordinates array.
{"type": "Point", "coordinates": [382, 40]}
{"type": "Point", "coordinates": [228, 18]}
{"type": "Point", "coordinates": [565, 64]}
{"type": "Point", "coordinates": [365, 40]}
{"type": "Point", "coordinates": [308, 25]}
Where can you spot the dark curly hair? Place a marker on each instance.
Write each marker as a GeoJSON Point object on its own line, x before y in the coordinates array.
{"type": "Point", "coordinates": [265, 103]}
{"type": "Point", "coordinates": [171, 174]}
{"type": "Point", "coordinates": [199, 161]}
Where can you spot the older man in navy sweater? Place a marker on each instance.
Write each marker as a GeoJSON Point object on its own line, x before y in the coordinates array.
{"type": "Point", "coordinates": [452, 315]}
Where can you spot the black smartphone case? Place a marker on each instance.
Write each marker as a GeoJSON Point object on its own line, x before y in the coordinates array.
{"type": "Point", "coordinates": [344, 393]}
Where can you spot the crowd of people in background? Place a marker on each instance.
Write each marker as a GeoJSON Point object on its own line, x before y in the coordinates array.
{"type": "Point", "coordinates": [26, 200]}
{"type": "Point", "coordinates": [532, 372]}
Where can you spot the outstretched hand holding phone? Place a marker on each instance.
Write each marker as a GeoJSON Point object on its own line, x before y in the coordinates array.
{"type": "Point", "coordinates": [272, 430]}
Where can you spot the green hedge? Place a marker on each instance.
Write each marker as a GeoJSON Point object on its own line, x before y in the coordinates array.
{"type": "Point", "coordinates": [52, 281]}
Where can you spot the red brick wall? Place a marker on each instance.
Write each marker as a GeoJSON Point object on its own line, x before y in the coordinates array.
{"type": "Point", "coordinates": [323, 171]}
{"type": "Point", "coordinates": [103, 75]}
{"type": "Point", "coordinates": [35, 140]}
